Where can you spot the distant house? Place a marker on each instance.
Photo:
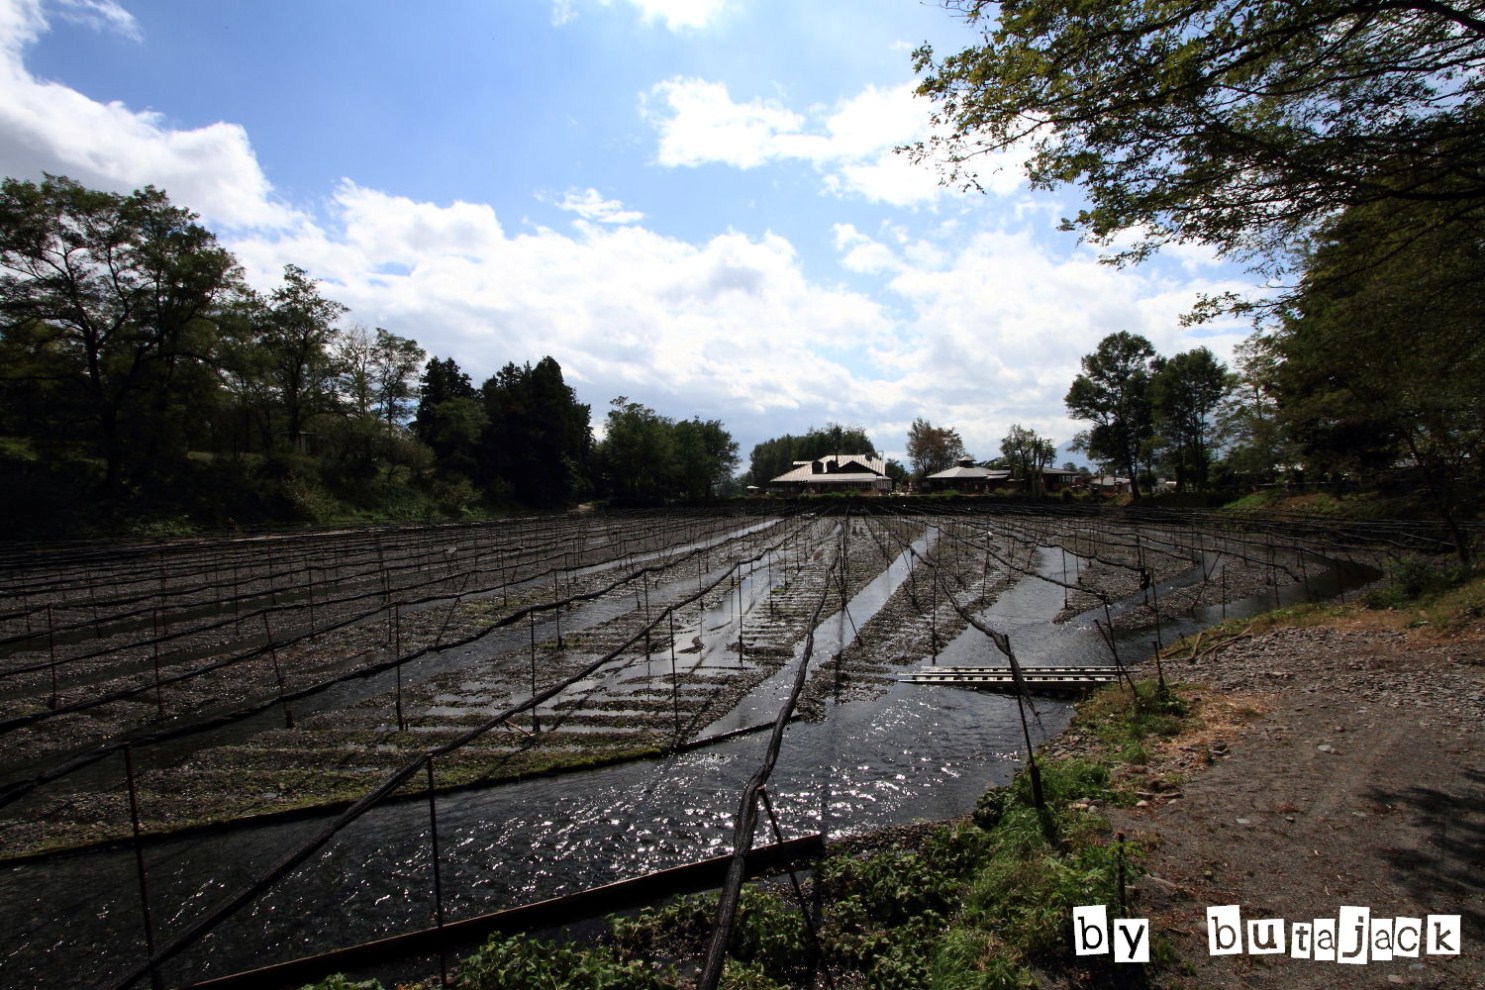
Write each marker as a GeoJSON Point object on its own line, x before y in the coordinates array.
{"type": "Point", "coordinates": [1109, 485]}
{"type": "Point", "coordinates": [835, 473]}
{"type": "Point", "coordinates": [1056, 479]}
{"type": "Point", "coordinates": [967, 477]}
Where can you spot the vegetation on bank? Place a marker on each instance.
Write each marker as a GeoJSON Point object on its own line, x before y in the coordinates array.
{"type": "Point", "coordinates": [974, 904]}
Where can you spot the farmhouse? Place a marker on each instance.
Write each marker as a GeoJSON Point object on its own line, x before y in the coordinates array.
{"type": "Point", "coordinates": [835, 473]}
{"type": "Point", "coordinates": [1056, 479]}
{"type": "Point", "coordinates": [967, 477]}
{"type": "Point", "coordinates": [1110, 485]}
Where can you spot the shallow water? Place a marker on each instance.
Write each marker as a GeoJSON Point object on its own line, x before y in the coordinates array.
{"type": "Point", "coordinates": [916, 753]}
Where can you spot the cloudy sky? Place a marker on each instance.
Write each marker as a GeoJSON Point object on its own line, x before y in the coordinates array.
{"type": "Point", "coordinates": [692, 203]}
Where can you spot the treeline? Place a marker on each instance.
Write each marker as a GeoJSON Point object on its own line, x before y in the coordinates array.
{"type": "Point", "coordinates": [142, 379]}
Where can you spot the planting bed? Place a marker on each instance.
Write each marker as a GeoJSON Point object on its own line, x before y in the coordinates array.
{"type": "Point", "coordinates": [250, 677]}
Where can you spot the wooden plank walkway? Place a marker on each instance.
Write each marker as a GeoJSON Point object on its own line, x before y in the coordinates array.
{"type": "Point", "coordinates": [1037, 679]}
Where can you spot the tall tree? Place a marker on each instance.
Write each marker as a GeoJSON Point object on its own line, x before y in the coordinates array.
{"type": "Point", "coordinates": [538, 439]}
{"type": "Point", "coordinates": [1184, 397]}
{"type": "Point", "coordinates": [932, 448]}
{"type": "Point", "coordinates": [296, 332]}
{"type": "Point", "coordinates": [1112, 393]}
{"type": "Point", "coordinates": [394, 362]}
{"type": "Point", "coordinates": [111, 300]}
{"type": "Point", "coordinates": [1243, 125]}
{"type": "Point", "coordinates": [706, 456]}
{"type": "Point", "coordinates": [1256, 445]}
{"type": "Point", "coordinates": [1027, 453]}
{"type": "Point", "coordinates": [1381, 359]}
{"type": "Point", "coordinates": [638, 452]}
{"type": "Point", "coordinates": [353, 356]}
{"type": "Point", "coordinates": [450, 417]}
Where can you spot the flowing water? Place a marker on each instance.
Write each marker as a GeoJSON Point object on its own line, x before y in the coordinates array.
{"type": "Point", "coordinates": [916, 753]}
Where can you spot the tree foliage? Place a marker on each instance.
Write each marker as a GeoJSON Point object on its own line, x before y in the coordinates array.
{"type": "Point", "coordinates": [537, 439]}
{"type": "Point", "coordinates": [1185, 394]}
{"type": "Point", "coordinates": [129, 341]}
{"type": "Point", "coordinates": [646, 457]}
{"type": "Point", "coordinates": [932, 448]}
{"type": "Point", "coordinates": [1242, 125]}
{"type": "Point", "coordinates": [295, 333]}
{"type": "Point", "coordinates": [108, 304]}
{"type": "Point", "coordinates": [1027, 453]}
{"type": "Point", "coordinates": [1380, 360]}
{"type": "Point", "coordinates": [1112, 393]}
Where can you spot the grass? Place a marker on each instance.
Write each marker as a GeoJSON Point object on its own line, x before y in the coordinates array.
{"type": "Point", "coordinates": [1358, 505]}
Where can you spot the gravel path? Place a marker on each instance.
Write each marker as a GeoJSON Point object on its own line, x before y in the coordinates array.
{"type": "Point", "coordinates": [1338, 766]}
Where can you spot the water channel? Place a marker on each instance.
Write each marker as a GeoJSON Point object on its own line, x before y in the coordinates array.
{"type": "Point", "coordinates": [916, 753]}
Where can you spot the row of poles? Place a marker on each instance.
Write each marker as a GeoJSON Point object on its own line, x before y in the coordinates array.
{"type": "Point", "coordinates": [668, 616]}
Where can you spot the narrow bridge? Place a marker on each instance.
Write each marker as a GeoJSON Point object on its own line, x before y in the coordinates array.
{"type": "Point", "coordinates": [1039, 679]}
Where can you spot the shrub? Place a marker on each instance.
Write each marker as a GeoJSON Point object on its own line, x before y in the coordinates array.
{"type": "Point", "coordinates": [523, 963]}
{"type": "Point", "coordinates": [1413, 577]}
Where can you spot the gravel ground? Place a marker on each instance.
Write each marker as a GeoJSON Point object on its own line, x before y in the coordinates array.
{"type": "Point", "coordinates": [1337, 766]}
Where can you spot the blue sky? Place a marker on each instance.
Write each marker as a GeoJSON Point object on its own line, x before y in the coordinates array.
{"type": "Point", "coordinates": [691, 203]}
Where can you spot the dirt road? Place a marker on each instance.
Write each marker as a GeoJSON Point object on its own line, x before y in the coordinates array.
{"type": "Point", "coordinates": [1339, 766]}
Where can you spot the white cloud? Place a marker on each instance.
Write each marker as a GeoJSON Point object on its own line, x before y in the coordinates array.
{"type": "Point", "coordinates": [852, 144]}
{"type": "Point", "coordinates": [995, 333]}
{"type": "Point", "coordinates": [727, 327]}
{"type": "Point", "coordinates": [680, 13]}
{"type": "Point", "coordinates": [677, 14]}
{"type": "Point", "coordinates": [705, 125]}
{"type": "Point", "coordinates": [590, 205]}
{"type": "Point", "coordinates": [987, 330]}
{"type": "Point", "coordinates": [100, 15]}
{"type": "Point", "coordinates": [49, 127]}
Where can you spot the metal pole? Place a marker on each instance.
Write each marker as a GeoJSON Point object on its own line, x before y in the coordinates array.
{"type": "Point", "coordinates": [535, 721]}
{"type": "Point", "coordinates": [739, 624]}
{"type": "Point", "coordinates": [309, 582]}
{"type": "Point", "coordinates": [144, 889]}
{"type": "Point", "coordinates": [51, 645]}
{"type": "Point", "coordinates": [675, 695]}
{"type": "Point", "coordinates": [443, 959]}
{"type": "Point", "coordinates": [278, 673]}
{"type": "Point", "coordinates": [159, 695]}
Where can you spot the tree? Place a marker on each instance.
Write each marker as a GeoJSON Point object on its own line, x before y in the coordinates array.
{"type": "Point", "coordinates": [932, 448]}
{"type": "Point", "coordinates": [1184, 397]}
{"type": "Point", "coordinates": [1112, 394]}
{"type": "Point", "coordinates": [1242, 125]}
{"type": "Point", "coordinates": [394, 362]}
{"type": "Point", "coordinates": [353, 352]}
{"type": "Point", "coordinates": [705, 456]}
{"type": "Point", "coordinates": [537, 440]}
{"type": "Point", "coordinates": [1027, 453]}
{"type": "Point", "coordinates": [296, 332]}
{"type": "Point", "coordinates": [638, 452]}
{"type": "Point", "coordinates": [1380, 359]}
{"type": "Point", "coordinates": [1254, 440]}
{"type": "Point", "coordinates": [376, 375]}
{"type": "Point", "coordinates": [109, 305]}
{"type": "Point", "coordinates": [450, 417]}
